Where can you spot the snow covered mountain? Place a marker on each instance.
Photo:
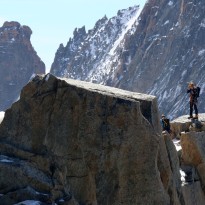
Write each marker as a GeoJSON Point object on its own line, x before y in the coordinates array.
{"type": "Point", "coordinates": [92, 56]}
{"type": "Point", "coordinates": [156, 51]}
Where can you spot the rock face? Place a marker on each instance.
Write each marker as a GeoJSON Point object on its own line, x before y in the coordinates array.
{"type": "Point", "coordinates": [158, 53]}
{"type": "Point", "coordinates": [78, 143]}
{"type": "Point", "coordinates": [18, 61]}
{"type": "Point", "coordinates": [169, 52]}
{"type": "Point", "coordinates": [192, 157]}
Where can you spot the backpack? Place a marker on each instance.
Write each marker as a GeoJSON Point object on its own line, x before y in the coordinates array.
{"type": "Point", "coordinates": [197, 91]}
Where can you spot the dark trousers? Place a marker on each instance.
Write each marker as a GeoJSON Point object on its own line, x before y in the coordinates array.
{"type": "Point", "coordinates": [192, 104]}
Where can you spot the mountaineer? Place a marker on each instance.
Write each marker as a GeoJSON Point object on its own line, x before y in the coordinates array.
{"type": "Point", "coordinates": [194, 94]}
{"type": "Point", "coordinates": [165, 124]}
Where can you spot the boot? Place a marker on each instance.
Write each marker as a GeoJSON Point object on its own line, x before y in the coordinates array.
{"type": "Point", "coordinates": [190, 117]}
{"type": "Point", "coordinates": [195, 117]}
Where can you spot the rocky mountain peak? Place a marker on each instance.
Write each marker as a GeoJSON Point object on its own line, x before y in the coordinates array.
{"type": "Point", "coordinates": [11, 24]}
{"type": "Point", "coordinates": [98, 25]}
{"type": "Point", "coordinates": [83, 58]}
{"type": "Point", "coordinates": [13, 31]}
{"type": "Point", "coordinates": [127, 12]}
{"type": "Point", "coordinates": [79, 33]}
{"type": "Point", "coordinates": [18, 61]}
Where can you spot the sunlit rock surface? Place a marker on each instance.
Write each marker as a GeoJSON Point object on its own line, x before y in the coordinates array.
{"type": "Point", "coordinates": [72, 142]}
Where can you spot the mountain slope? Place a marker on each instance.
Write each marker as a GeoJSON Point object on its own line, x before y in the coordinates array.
{"type": "Point", "coordinates": [91, 56]}
{"type": "Point", "coordinates": [18, 61]}
{"type": "Point", "coordinates": [169, 52]}
{"type": "Point", "coordinates": [159, 51]}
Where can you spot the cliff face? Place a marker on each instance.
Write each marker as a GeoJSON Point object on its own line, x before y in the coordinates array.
{"type": "Point", "coordinates": [74, 142]}
{"type": "Point", "coordinates": [158, 53]}
{"type": "Point", "coordinates": [168, 53]}
{"type": "Point", "coordinates": [18, 61]}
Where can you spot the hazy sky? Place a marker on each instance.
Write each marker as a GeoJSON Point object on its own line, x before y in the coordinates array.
{"type": "Point", "coordinates": [53, 21]}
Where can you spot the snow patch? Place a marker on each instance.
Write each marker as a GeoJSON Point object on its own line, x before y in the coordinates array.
{"type": "Point", "coordinates": [29, 202]}
{"type": "Point", "coordinates": [177, 144]}
{"type": "Point", "coordinates": [93, 50]}
{"type": "Point", "coordinates": [128, 26]}
{"type": "Point", "coordinates": [165, 95]}
{"type": "Point", "coordinates": [47, 77]}
{"type": "Point", "coordinates": [183, 174]}
{"type": "Point", "coordinates": [166, 22]}
{"type": "Point", "coordinates": [184, 73]}
{"type": "Point", "coordinates": [170, 3]}
{"type": "Point", "coordinates": [128, 60]}
{"type": "Point", "coordinates": [202, 24]}
{"type": "Point", "coordinates": [186, 32]}
{"type": "Point", "coordinates": [6, 159]}
{"type": "Point", "coordinates": [65, 59]}
{"type": "Point", "coordinates": [154, 37]}
{"type": "Point", "coordinates": [12, 40]}
{"type": "Point", "coordinates": [201, 52]}
{"type": "Point", "coordinates": [32, 77]}
{"type": "Point", "coordinates": [2, 113]}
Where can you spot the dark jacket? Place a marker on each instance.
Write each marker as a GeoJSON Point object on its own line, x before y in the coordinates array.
{"type": "Point", "coordinates": [165, 124]}
{"type": "Point", "coordinates": [193, 94]}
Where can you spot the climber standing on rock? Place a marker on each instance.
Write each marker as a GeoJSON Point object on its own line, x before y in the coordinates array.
{"type": "Point", "coordinates": [193, 90]}
{"type": "Point", "coordinates": [165, 124]}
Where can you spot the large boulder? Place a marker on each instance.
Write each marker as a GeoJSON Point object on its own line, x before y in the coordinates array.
{"type": "Point", "coordinates": [193, 152]}
{"type": "Point", "coordinates": [192, 157]}
{"type": "Point", "coordinates": [72, 142]}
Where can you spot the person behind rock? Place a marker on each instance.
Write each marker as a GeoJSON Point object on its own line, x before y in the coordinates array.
{"type": "Point", "coordinates": [165, 124]}
{"type": "Point", "coordinates": [194, 94]}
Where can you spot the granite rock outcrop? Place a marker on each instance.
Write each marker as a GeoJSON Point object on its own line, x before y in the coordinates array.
{"type": "Point", "coordinates": [72, 142]}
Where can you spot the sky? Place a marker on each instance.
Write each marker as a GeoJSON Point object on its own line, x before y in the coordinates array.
{"type": "Point", "coordinates": [53, 21]}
